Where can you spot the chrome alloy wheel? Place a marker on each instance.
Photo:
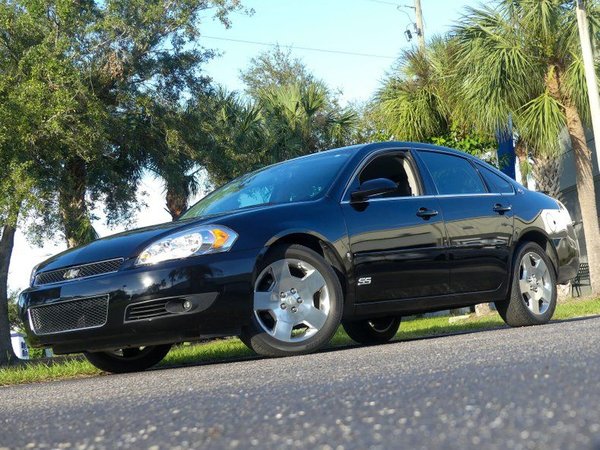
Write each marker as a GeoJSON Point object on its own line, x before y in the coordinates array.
{"type": "Point", "coordinates": [535, 283]}
{"type": "Point", "coordinates": [291, 300]}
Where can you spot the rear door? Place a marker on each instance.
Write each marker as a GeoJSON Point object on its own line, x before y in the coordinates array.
{"type": "Point", "coordinates": [479, 221]}
{"type": "Point", "coordinates": [397, 240]}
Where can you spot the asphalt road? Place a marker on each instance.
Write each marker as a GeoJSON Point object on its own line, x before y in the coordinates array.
{"type": "Point", "coordinates": [524, 388]}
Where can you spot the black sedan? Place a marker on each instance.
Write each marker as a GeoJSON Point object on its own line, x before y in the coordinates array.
{"type": "Point", "coordinates": [361, 236]}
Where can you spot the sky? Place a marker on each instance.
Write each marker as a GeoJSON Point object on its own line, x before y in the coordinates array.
{"type": "Point", "coordinates": [367, 27]}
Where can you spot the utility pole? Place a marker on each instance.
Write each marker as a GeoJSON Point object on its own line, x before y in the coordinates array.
{"type": "Point", "coordinates": [420, 29]}
{"type": "Point", "coordinates": [590, 73]}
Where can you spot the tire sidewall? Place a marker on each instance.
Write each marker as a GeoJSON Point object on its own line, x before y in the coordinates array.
{"type": "Point", "coordinates": [256, 337]}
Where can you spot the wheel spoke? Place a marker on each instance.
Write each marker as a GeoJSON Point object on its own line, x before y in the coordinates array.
{"type": "Point", "coordinates": [283, 330]}
{"type": "Point", "coordinates": [527, 266]}
{"type": "Point", "coordinates": [311, 283]}
{"type": "Point", "coordinates": [534, 305]}
{"type": "Point", "coordinates": [541, 270]}
{"type": "Point", "coordinates": [315, 318]}
{"type": "Point", "coordinates": [281, 272]}
{"type": "Point", "coordinates": [263, 301]}
{"type": "Point", "coordinates": [547, 292]}
{"type": "Point", "coordinates": [524, 286]}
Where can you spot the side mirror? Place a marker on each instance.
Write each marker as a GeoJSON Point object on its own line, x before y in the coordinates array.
{"type": "Point", "coordinates": [372, 188]}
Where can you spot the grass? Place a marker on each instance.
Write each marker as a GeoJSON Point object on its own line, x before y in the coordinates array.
{"type": "Point", "coordinates": [231, 349]}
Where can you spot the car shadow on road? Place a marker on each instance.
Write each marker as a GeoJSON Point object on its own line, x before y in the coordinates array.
{"type": "Point", "coordinates": [345, 347]}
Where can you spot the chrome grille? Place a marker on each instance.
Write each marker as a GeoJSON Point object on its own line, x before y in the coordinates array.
{"type": "Point", "coordinates": [146, 310]}
{"type": "Point", "coordinates": [78, 272]}
{"type": "Point", "coordinates": [69, 315]}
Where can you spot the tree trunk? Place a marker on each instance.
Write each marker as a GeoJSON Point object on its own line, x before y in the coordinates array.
{"type": "Point", "coordinates": [7, 240]}
{"type": "Point", "coordinates": [521, 152]}
{"type": "Point", "coordinates": [586, 193]}
{"type": "Point", "coordinates": [176, 201]}
{"type": "Point", "coordinates": [77, 225]}
{"type": "Point", "coordinates": [546, 172]}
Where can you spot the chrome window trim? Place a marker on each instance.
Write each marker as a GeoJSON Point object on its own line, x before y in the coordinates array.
{"type": "Point", "coordinates": [481, 194]}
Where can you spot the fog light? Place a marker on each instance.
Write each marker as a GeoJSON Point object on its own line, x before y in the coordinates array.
{"type": "Point", "coordinates": [187, 305]}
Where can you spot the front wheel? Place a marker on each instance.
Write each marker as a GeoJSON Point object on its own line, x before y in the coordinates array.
{"type": "Point", "coordinates": [532, 298]}
{"type": "Point", "coordinates": [372, 331]}
{"type": "Point", "coordinates": [128, 359]}
{"type": "Point", "coordinates": [298, 303]}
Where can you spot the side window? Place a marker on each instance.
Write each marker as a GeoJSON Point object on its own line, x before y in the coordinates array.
{"type": "Point", "coordinates": [394, 167]}
{"type": "Point", "coordinates": [452, 174]}
{"type": "Point", "coordinates": [495, 182]}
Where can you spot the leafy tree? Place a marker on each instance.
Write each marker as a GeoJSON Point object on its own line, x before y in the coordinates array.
{"type": "Point", "coordinates": [523, 57]}
{"type": "Point", "coordinates": [274, 68]}
{"type": "Point", "coordinates": [75, 78]}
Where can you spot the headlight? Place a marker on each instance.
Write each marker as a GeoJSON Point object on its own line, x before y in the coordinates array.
{"type": "Point", "coordinates": [191, 242]}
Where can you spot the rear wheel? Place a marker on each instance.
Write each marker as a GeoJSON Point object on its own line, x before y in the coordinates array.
{"type": "Point", "coordinates": [373, 331]}
{"type": "Point", "coordinates": [297, 303]}
{"type": "Point", "coordinates": [128, 359]}
{"type": "Point", "coordinates": [532, 298]}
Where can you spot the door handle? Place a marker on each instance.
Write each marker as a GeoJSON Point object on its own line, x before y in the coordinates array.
{"type": "Point", "coordinates": [501, 209]}
{"type": "Point", "coordinates": [426, 213]}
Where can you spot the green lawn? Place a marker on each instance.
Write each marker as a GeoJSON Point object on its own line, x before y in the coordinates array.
{"type": "Point", "coordinates": [230, 349]}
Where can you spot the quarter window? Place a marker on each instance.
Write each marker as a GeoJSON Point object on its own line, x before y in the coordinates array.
{"type": "Point", "coordinates": [495, 182]}
{"type": "Point", "coordinates": [452, 174]}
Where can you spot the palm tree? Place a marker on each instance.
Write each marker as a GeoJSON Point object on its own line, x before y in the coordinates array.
{"type": "Point", "coordinates": [234, 132]}
{"type": "Point", "coordinates": [419, 101]}
{"type": "Point", "coordinates": [415, 101]}
{"type": "Point", "coordinates": [303, 118]}
{"type": "Point", "coordinates": [523, 57]}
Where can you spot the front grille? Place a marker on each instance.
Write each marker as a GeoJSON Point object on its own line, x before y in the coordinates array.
{"type": "Point", "coordinates": [69, 315]}
{"type": "Point", "coordinates": [77, 272]}
{"type": "Point", "coordinates": [146, 310]}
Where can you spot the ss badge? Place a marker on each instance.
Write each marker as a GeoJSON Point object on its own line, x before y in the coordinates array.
{"type": "Point", "coordinates": [364, 281]}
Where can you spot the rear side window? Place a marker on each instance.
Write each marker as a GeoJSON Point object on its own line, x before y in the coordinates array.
{"type": "Point", "coordinates": [452, 174]}
{"type": "Point", "coordinates": [495, 182]}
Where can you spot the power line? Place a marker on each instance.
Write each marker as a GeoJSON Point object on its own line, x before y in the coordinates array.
{"type": "Point", "coordinates": [311, 49]}
{"type": "Point", "coordinates": [383, 2]}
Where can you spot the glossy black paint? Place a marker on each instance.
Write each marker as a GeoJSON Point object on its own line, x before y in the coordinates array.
{"type": "Point", "coordinates": [422, 253]}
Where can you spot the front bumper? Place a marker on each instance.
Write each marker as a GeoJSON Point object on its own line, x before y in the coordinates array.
{"type": "Point", "coordinates": [218, 288]}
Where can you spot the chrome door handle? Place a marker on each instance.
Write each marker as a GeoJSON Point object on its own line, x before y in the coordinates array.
{"type": "Point", "coordinates": [501, 209]}
{"type": "Point", "coordinates": [426, 213]}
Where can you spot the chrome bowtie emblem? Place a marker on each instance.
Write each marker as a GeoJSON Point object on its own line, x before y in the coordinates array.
{"type": "Point", "coordinates": [71, 273]}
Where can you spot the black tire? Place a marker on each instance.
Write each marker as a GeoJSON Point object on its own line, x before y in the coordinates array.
{"type": "Point", "coordinates": [128, 360]}
{"type": "Point", "coordinates": [259, 340]}
{"type": "Point", "coordinates": [373, 331]}
{"type": "Point", "coordinates": [514, 310]}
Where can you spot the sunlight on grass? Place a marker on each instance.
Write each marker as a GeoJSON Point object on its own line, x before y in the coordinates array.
{"type": "Point", "coordinates": [232, 348]}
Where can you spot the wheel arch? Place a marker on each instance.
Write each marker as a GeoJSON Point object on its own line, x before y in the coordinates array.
{"type": "Point", "coordinates": [543, 240]}
{"type": "Point", "coordinates": [319, 244]}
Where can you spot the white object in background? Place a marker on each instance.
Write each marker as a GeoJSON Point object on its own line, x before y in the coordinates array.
{"type": "Point", "coordinates": [19, 346]}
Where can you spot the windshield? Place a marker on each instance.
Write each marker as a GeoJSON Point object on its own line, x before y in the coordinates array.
{"type": "Point", "coordinates": [296, 180]}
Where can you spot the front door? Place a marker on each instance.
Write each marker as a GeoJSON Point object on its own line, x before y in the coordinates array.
{"type": "Point", "coordinates": [397, 240]}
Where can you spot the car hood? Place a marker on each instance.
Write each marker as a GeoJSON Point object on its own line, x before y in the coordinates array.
{"type": "Point", "coordinates": [122, 245]}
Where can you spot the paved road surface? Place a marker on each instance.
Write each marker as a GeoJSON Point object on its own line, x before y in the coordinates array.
{"type": "Point", "coordinates": [523, 388]}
